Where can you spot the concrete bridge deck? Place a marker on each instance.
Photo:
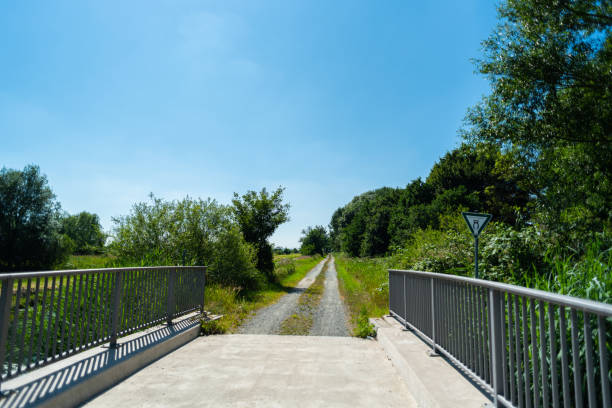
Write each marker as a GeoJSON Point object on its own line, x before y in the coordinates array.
{"type": "Point", "coordinates": [265, 371]}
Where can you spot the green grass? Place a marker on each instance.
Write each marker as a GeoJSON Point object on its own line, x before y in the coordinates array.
{"type": "Point", "coordinates": [236, 306]}
{"type": "Point", "coordinates": [364, 285]}
{"type": "Point", "coordinates": [88, 262]}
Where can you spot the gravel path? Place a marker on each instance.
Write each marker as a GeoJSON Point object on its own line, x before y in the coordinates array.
{"type": "Point", "coordinates": [330, 316]}
{"type": "Point", "coordinates": [268, 320]}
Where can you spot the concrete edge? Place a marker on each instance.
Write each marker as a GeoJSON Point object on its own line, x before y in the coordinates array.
{"type": "Point", "coordinates": [416, 387]}
{"type": "Point", "coordinates": [88, 374]}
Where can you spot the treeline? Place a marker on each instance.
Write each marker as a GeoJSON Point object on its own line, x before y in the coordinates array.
{"type": "Point", "coordinates": [466, 178]}
{"type": "Point", "coordinates": [232, 240]}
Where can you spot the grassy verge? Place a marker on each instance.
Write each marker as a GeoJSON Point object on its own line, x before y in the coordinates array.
{"type": "Point", "coordinates": [236, 306]}
{"type": "Point", "coordinates": [88, 262]}
{"type": "Point", "coordinates": [364, 285]}
{"type": "Point", "coordinates": [300, 323]}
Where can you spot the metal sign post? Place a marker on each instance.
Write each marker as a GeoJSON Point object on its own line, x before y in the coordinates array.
{"type": "Point", "coordinates": [476, 223]}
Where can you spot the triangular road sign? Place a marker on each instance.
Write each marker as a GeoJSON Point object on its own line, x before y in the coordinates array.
{"type": "Point", "coordinates": [476, 221]}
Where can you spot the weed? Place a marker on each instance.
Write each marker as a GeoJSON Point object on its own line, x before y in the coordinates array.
{"type": "Point", "coordinates": [364, 328]}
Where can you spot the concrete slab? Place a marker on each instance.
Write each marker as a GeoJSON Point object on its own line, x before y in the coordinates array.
{"type": "Point", "coordinates": [265, 371]}
{"type": "Point", "coordinates": [433, 381]}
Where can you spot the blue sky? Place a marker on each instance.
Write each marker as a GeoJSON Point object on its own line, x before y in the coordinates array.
{"type": "Point", "coordinates": [116, 99]}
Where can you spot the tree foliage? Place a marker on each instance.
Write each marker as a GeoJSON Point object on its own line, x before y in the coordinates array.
{"type": "Point", "coordinates": [195, 232]}
{"type": "Point", "coordinates": [314, 241]}
{"type": "Point", "coordinates": [85, 231]}
{"type": "Point", "coordinates": [259, 215]}
{"type": "Point", "coordinates": [549, 63]}
{"type": "Point", "coordinates": [30, 236]}
{"type": "Point", "coordinates": [465, 178]}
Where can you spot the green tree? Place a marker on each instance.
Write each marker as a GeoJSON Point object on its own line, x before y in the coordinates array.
{"type": "Point", "coordinates": [259, 215]}
{"type": "Point", "coordinates": [470, 177]}
{"type": "Point", "coordinates": [197, 232]}
{"type": "Point", "coordinates": [85, 231]}
{"type": "Point", "coordinates": [549, 63]}
{"type": "Point", "coordinates": [30, 236]}
{"type": "Point", "coordinates": [314, 241]}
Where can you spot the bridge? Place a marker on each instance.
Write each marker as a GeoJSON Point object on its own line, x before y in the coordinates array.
{"type": "Point", "coordinates": [131, 336]}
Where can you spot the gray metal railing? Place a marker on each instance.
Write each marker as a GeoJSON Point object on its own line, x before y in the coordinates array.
{"type": "Point", "coordinates": [529, 348]}
{"type": "Point", "coordinates": [47, 316]}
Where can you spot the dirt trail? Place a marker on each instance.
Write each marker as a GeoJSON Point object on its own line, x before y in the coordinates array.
{"type": "Point", "coordinates": [328, 319]}
{"type": "Point", "coordinates": [268, 320]}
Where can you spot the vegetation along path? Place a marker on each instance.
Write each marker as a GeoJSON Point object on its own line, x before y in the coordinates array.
{"type": "Point", "coordinates": [269, 319]}
{"type": "Point", "coordinates": [313, 308]}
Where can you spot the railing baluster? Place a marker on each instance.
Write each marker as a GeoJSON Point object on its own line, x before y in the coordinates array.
{"type": "Point", "coordinates": [116, 308]}
{"type": "Point", "coordinates": [6, 297]}
{"type": "Point", "coordinates": [495, 319]}
{"type": "Point", "coordinates": [35, 304]}
{"type": "Point", "coordinates": [576, 361]}
{"type": "Point", "coordinates": [588, 342]}
{"type": "Point", "coordinates": [603, 359]}
{"type": "Point", "coordinates": [170, 299]}
{"type": "Point", "coordinates": [24, 326]}
{"type": "Point", "coordinates": [564, 359]}
{"type": "Point", "coordinates": [42, 323]}
{"type": "Point", "coordinates": [526, 367]}
{"type": "Point", "coordinates": [534, 354]}
{"type": "Point", "coordinates": [504, 340]}
{"type": "Point", "coordinates": [13, 355]}
{"type": "Point", "coordinates": [553, 355]}
{"type": "Point", "coordinates": [519, 363]}
{"type": "Point", "coordinates": [513, 370]}
{"type": "Point", "coordinates": [543, 353]}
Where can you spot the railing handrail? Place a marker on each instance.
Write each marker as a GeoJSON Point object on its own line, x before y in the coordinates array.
{"type": "Point", "coordinates": [70, 272]}
{"type": "Point", "coordinates": [591, 306]}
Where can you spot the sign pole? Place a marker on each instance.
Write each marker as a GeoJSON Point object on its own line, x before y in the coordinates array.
{"type": "Point", "coordinates": [476, 257]}
{"type": "Point", "coordinates": [476, 222]}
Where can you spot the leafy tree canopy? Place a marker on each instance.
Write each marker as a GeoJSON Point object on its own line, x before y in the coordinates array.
{"type": "Point", "coordinates": [549, 63]}
{"type": "Point", "coordinates": [30, 236]}
{"type": "Point", "coordinates": [314, 241]}
{"type": "Point", "coordinates": [85, 231]}
{"type": "Point", "coordinates": [259, 215]}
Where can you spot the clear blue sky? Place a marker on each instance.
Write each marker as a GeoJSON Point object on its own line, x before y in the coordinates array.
{"type": "Point", "coordinates": [116, 99]}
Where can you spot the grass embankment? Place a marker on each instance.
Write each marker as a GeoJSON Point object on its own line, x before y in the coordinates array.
{"type": "Point", "coordinates": [300, 323]}
{"type": "Point", "coordinates": [236, 305]}
{"type": "Point", "coordinates": [88, 262]}
{"type": "Point", "coordinates": [364, 285]}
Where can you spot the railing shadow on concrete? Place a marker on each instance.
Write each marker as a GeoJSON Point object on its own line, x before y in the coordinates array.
{"type": "Point", "coordinates": [74, 380]}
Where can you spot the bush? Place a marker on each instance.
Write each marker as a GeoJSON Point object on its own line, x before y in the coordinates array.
{"type": "Point", "coordinates": [193, 232]}
{"type": "Point", "coordinates": [364, 328]}
{"type": "Point", "coordinates": [233, 261]}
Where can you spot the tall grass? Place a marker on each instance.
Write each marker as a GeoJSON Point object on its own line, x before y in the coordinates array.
{"type": "Point", "coordinates": [364, 285]}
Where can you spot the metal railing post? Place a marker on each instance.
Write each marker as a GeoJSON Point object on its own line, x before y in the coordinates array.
{"type": "Point", "coordinates": [170, 299]}
{"type": "Point", "coordinates": [495, 324]}
{"type": "Point", "coordinates": [5, 314]}
{"type": "Point", "coordinates": [203, 290]}
{"type": "Point", "coordinates": [433, 321]}
{"type": "Point", "coordinates": [405, 302]}
{"type": "Point", "coordinates": [116, 308]}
